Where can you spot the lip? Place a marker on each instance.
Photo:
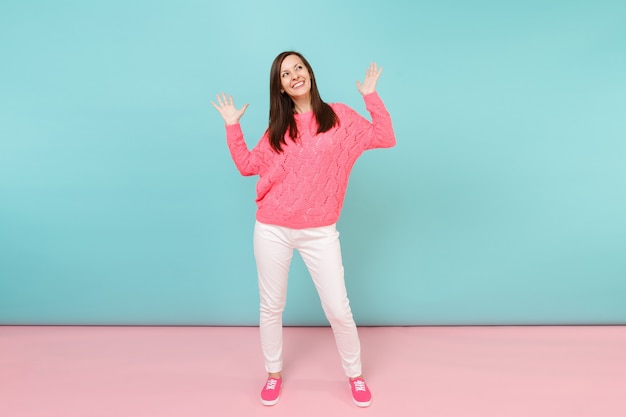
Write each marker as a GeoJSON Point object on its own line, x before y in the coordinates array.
{"type": "Point", "coordinates": [298, 84]}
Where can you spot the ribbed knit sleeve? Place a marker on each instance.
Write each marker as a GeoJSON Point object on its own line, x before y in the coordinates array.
{"type": "Point", "coordinates": [247, 162]}
{"type": "Point", "coordinates": [367, 135]}
{"type": "Point", "coordinates": [382, 134]}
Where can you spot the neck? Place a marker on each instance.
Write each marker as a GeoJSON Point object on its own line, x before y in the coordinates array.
{"type": "Point", "coordinates": [302, 105]}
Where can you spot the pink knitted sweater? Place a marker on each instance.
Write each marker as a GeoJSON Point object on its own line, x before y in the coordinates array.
{"type": "Point", "coordinates": [305, 185]}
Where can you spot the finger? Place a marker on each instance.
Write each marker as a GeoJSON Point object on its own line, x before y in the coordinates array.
{"type": "Point", "coordinates": [375, 72]}
{"type": "Point", "coordinates": [224, 99]}
{"type": "Point", "coordinates": [371, 71]}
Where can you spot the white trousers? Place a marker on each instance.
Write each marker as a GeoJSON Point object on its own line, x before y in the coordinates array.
{"type": "Point", "coordinates": [321, 252]}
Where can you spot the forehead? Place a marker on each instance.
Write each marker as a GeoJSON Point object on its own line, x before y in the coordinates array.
{"type": "Point", "coordinates": [289, 62]}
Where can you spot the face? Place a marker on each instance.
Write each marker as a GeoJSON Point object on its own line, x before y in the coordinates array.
{"type": "Point", "coordinates": [295, 79]}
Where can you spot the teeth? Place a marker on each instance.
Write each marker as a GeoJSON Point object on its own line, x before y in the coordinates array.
{"type": "Point", "coordinates": [298, 84]}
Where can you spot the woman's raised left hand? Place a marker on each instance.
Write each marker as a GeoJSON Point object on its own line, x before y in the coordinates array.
{"type": "Point", "coordinates": [371, 77]}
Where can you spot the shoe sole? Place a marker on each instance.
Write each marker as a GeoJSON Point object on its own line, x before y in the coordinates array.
{"type": "Point", "coordinates": [270, 403]}
{"type": "Point", "coordinates": [362, 404]}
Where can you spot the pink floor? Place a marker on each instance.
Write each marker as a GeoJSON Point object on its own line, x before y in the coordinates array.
{"type": "Point", "coordinates": [217, 371]}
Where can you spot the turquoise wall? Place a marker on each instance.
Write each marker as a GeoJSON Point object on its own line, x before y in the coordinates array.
{"type": "Point", "coordinates": [504, 201]}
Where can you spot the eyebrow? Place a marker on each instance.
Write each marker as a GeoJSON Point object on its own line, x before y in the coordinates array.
{"type": "Point", "coordinates": [295, 65]}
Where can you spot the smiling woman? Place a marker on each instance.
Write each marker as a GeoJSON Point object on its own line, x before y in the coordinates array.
{"type": "Point", "coordinates": [303, 162]}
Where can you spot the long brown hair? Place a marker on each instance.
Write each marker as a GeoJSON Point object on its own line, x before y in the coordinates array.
{"type": "Point", "coordinates": [282, 107]}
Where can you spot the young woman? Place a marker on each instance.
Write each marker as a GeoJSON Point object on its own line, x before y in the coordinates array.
{"type": "Point", "coordinates": [303, 161]}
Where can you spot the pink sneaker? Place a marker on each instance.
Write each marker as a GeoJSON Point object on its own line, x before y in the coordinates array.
{"type": "Point", "coordinates": [360, 393]}
{"type": "Point", "coordinates": [271, 391]}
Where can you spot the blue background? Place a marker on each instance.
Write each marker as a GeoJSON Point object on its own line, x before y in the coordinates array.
{"type": "Point", "coordinates": [504, 201]}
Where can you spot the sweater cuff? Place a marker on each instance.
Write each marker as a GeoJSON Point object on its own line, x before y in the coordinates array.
{"type": "Point", "coordinates": [234, 128]}
{"type": "Point", "coordinates": [233, 131]}
{"type": "Point", "coordinates": [372, 98]}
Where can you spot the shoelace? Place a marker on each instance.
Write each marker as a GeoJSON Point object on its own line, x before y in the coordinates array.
{"type": "Point", "coordinates": [359, 385]}
{"type": "Point", "coordinates": [271, 384]}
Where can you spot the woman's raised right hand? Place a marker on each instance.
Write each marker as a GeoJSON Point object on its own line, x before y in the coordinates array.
{"type": "Point", "coordinates": [228, 111]}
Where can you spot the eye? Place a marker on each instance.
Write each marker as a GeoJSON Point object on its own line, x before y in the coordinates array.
{"type": "Point", "coordinates": [284, 74]}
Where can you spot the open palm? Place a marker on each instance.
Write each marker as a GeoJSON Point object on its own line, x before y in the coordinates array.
{"type": "Point", "coordinates": [371, 78]}
{"type": "Point", "coordinates": [226, 107]}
